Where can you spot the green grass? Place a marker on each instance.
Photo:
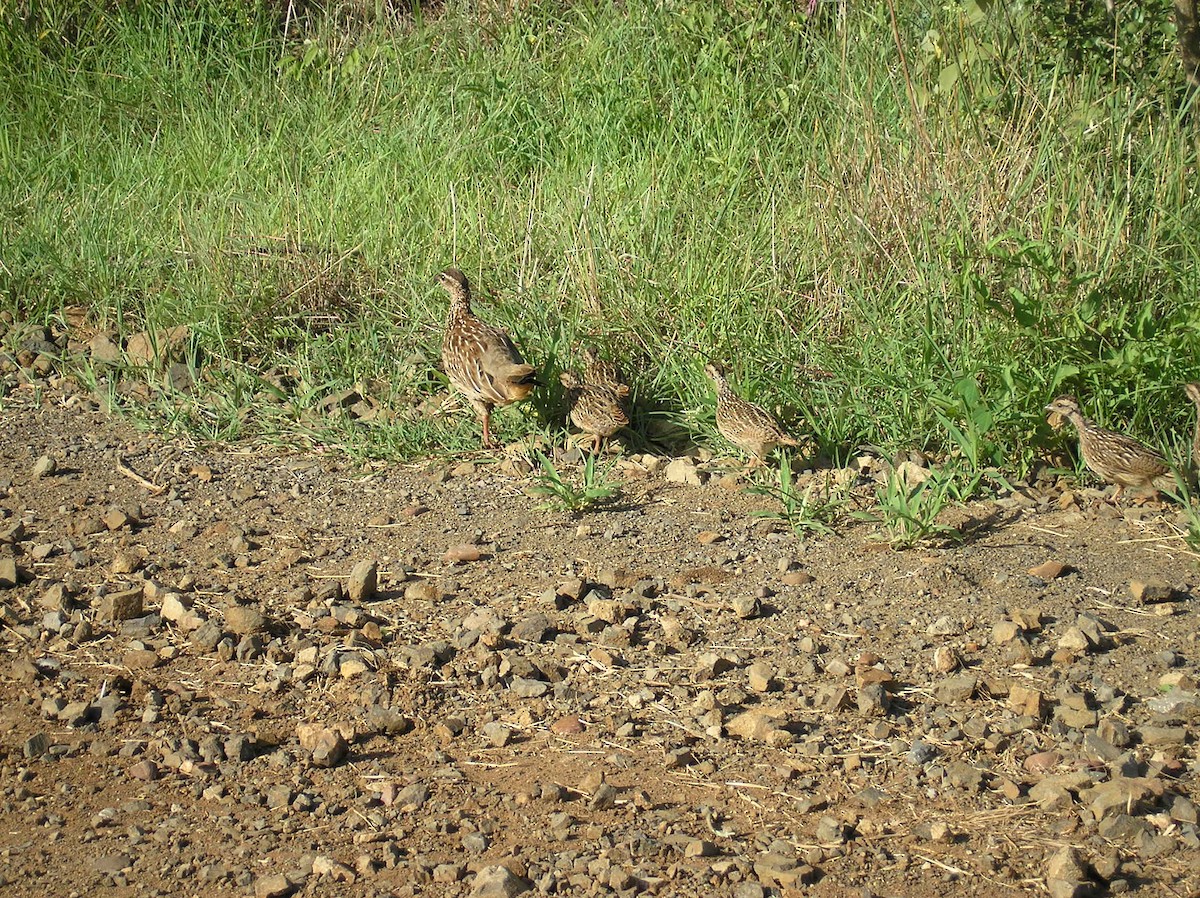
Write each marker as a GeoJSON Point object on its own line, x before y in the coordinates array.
{"type": "Point", "coordinates": [1009, 216]}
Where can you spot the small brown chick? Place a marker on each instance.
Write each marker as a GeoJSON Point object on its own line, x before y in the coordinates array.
{"type": "Point", "coordinates": [1112, 456]}
{"type": "Point", "coordinates": [746, 425]}
{"type": "Point", "coordinates": [480, 359]}
{"type": "Point", "coordinates": [595, 409]}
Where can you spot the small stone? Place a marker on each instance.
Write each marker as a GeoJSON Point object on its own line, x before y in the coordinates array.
{"type": "Point", "coordinates": [422, 591]}
{"type": "Point", "coordinates": [498, 882]}
{"type": "Point", "coordinates": [746, 607]}
{"type": "Point", "coordinates": [1066, 876]}
{"type": "Point", "coordinates": [684, 470]}
{"type": "Point", "coordinates": [122, 605]}
{"type": "Point", "coordinates": [112, 863]}
{"type": "Point", "coordinates": [498, 734]}
{"type": "Point", "coordinates": [363, 582]}
{"type": "Point", "coordinates": [873, 700]}
{"type": "Point", "coordinates": [244, 619]}
{"type": "Point", "coordinates": [326, 745]}
{"type": "Point", "coordinates": [946, 659]}
{"type": "Point", "coordinates": [146, 771]}
{"type": "Point", "coordinates": [36, 746]}
{"type": "Point", "coordinates": [1049, 570]}
{"type": "Point", "coordinates": [44, 466]}
{"type": "Point", "coordinates": [603, 798]}
{"type": "Point", "coordinates": [463, 553]}
{"type": "Point", "coordinates": [1042, 761]}
{"type": "Point", "coordinates": [1005, 631]}
{"type": "Point", "coordinates": [1026, 701]}
{"type": "Point", "coordinates": [761, 677]}
{"type": "Point", "coordinates": [126, 562]}
{"type": "Point", "coordinates": [700, 848]}
{"type": "Point", "coordinates": [920, 753]}
{"type": "Point", "coordinates": [708, 537]}
{"type": "Point", "coordinates": [275, 885]}
{"type": "Point", "coordinates": [796, 578]}
{"type": "Point", "coordinates": [1074, 641]}
{"type": "Point", "coordinates": [943, 626]}
{"type": "Point", "coordinates": [570, 725]}
{"type": "Point", "coordinates": [1150, 590]}
{"type": "Point", "coordinates": [956, 689]}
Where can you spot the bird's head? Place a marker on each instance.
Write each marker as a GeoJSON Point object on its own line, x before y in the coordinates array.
{"type": "Point", "coordinates": [1065, 406]}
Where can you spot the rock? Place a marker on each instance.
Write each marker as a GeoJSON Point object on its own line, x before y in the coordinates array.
{"type": "Point", "coordinates": [9, 575]}
{"type": "Point", "coordinates": [36, 746]}
{"type": "Point", "coordinates": [873, 700]}
{"type": "Point", "coordinates": [122, 605]}
{"type": "Point", "coordinates": [1049, 570]}
{"type": "Point", "coordinates": [534, 628]}
{"type": "Point", "coordinates": [762, 724]}
{"type": "Point", "coordinates": [708, 537]}
{"type": "Point", "coordinates": [1066, 876]}
{"type": "Point", "coordinates": [1042, 761]}
{"type": "Point", "coordinates": [761, 677]}
{"type": "Point", "coordinates": [146, 771]}
{"type": "Point", "coordinates": [710, 665]}
{"type": "Point", "coordinates": [1152, 735]}
{"type": "Point", "coordinates": [126, 562]}
{"type": "Point", "coordinates": [244, 620]}
{"type": "Point", "coordinates": [1074, 641]}
{"type": "Point", "coordinates": [145, 349]}
{"type": "Point", "coordinates": [112, 863]}
{"type": "Point", "coordinates": [387, 721]}
{"type": "Point", "coordinates": [920, 753]}
{"type": "Point", "coordinates": [796, 578]}
{"type": "Point", "coordinates": [1174, 702]}
{"type": "Point", "coordinates": [525, 687]}
{"type": "Point", "coordinates": [326, 745]}
{"type": "Point", "coordinates": [275, 885]}
{"type": "Point", "coordinates": [363, 582]}
{"type": "Point", "coordinates": [464, 553]}
{"type": "Point", "coordinates": [956, 689]}
{"type": "Point", "coordinates": [943, 626]}
{"type": "Point", "coordinates": [603, 798]}
{"type": "Point", "coordinates": [498, 882]}
{"type": "Point", "coordinates": [570, 725]}
{"type": "Point", "coordinates": [1026, 700]}
{"type": "Point", "coordinates": [946, 659]}
{"type": "Point", "coordinates": [422, 591]}
{"type": "Point", "coordinates": [684, 470]}
{"type": "Point", "coordinates": [746, 607]}
{"type": "Point", "coordinates": [1150, 590]}
{"type": "Point", "coordinates": [1005, 631]}
{"type": "Point", "coordinates": [103, 350]}
{"type": "Point", "coordinates": [44, 466]}
{"type": "Point", "coordinates": [498, 734]}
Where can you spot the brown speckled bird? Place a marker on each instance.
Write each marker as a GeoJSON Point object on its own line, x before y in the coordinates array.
{"type": "Point", "coordinates": [481, 360]}
{"type": "Point", "coordinates": [746, 425]}
{"type": "Point", "coordinates": [1114, 457]}
{"type": "Point", "coordinates": [603, 373]}
{"type": "Point", "coordinates": [1193, 392]}
{"type": "Point", "coordinates": [595, 409]}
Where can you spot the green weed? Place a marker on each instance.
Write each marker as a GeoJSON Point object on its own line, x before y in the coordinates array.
{"type": "Point", "coordinates": [908, 515]}
{"type": "Point", "coordinates": [594, 487]}
{"type": "Point", "coordinates": [812, 510]}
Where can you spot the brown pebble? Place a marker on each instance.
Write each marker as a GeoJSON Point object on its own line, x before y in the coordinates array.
{"type": "Point", "coordinates": [1049, 570]}
{"type": "Point", "coordinates": [1042, 762]}
{"type": "Point", "coordinates": [570, 725]}
{"type": "Point", "coordinates": [464, 552]}
{"type": "Point", "coordinates": [708, 537]}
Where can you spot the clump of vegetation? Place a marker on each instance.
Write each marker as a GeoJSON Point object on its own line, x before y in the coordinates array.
{"type": "Point", "coordinates": [594, 487]}
{"type": "Point", "coordinates": [1006, 216]}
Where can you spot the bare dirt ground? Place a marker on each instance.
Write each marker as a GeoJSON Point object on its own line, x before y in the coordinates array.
{"type": "Point", "coordinates": [232, 670]}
